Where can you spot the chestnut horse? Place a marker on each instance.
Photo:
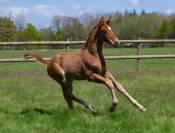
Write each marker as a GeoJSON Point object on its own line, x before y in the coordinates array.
{"type": "Point", "coordinates": [87, 64]}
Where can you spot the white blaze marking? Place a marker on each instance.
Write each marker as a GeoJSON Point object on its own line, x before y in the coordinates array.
{"type": "Point", "coordinates": [109, 28]}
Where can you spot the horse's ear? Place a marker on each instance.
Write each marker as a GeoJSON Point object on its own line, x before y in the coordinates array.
{"type": "Point", "coordinates": [101, 20]}
{"type": "Point", "coordinates": [109, 20]}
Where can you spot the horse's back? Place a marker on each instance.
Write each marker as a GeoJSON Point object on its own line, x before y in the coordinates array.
{"type": "Point", "coordinates": [67, 59]}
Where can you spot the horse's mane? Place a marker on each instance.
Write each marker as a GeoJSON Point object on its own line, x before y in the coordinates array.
{"type": "Point", "coordinates": [90, 35]}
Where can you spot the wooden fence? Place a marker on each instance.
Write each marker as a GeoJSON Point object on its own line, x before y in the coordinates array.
{"type": "Point", "coordinates": [67, 45]}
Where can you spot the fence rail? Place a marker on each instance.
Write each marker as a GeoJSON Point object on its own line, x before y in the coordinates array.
{"type": "Point", "coordinates": [138, 43]}
{"type": "Point", "coordinates": [42, 43]}
{"type": "Point", "coordinates": [82, 42]}
{"type": "Point", "coordinates": [106, 57]}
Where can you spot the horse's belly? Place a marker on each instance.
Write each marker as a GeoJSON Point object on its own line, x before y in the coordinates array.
{"type": "Point", "coordinates": [75, 70]}
{"type": "Point", "coordinates": [75, 73]}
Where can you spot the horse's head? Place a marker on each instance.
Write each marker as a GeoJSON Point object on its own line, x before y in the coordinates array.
{"type": "Point", "coordinates": [106, 34]}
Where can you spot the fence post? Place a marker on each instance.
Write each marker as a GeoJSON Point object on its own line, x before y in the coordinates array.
{"type": "Point", "coordinates": [139, 45]}
{"type": "Point", "coordinates": [67, 46]}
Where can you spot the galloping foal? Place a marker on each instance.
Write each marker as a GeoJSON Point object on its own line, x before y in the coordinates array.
{"type": "Point", "coordinates": [87, 64]}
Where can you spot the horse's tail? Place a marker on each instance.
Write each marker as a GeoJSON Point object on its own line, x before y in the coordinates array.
{"type": "Point", "coordinates": [37, 57]}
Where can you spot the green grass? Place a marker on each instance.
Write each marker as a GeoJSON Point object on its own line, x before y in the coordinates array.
{"type": "Point", "coordinates": [34, 103]}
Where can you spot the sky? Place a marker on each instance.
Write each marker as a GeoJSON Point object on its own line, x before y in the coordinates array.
{"type": "Point", "coordinates": [40, 12]}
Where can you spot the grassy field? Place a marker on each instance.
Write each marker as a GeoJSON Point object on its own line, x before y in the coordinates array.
{"type": "Point", "coordinates": [31, 102]}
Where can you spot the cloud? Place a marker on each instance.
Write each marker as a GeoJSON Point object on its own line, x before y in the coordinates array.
{"type": "Point", "coordinates": [44, 10]}
{"type": "Point", "coordinates": [5, 0]}
{"type": "Point", "coordinates": [169, 11]}
{"type": "Point", "coordinates": [135, 2]}
{"type": "Point", "coordinates": [42, 13]}
{"type": "Point", "coordinates": [13, 11]}
{"type": "Point", "coordinates": [79, 10]}
{"type": "Point", "coordinates": [48, 10]}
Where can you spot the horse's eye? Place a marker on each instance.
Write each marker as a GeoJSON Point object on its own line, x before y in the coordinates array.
{"type": "Point", "coordinates": [105, 31]}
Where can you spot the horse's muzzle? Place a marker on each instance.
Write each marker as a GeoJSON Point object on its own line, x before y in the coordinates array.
{"type": "Point", "coordinates": [117, 44]}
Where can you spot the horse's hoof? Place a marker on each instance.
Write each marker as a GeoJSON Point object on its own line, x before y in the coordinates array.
{"type": "Point", "coordinates": [94, 111]}
{"type": "Point", "coordinates": [142, 109]}
{"type": "Point", "coordinates": [112, 108]}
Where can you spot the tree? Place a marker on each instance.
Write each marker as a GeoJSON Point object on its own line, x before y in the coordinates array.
{"type": "Point", "coordinates": [29, 33]}
{"type": "Point", "coordinates": [73, 29]}
{"type": "Point", "coordinates": [86, 18]}
{"type": "Point", "coordinates": [59, 34]}
{"type": "Point", "coordinates": [134, 12]}
{"type": "Point", "coordinates": [91, 24]}
{"type": "Point", "coordinates": [56, 21]}
{"type": "Point", "coordinates": [119, 20]}
{"type": "Point", "coordinates": [163, 31]}
{"type": "Point", "coordinates": [143, 12]}
{"type": "Point", "coordinates": [20, 22]}
{"type": "Point", "coordinates": [59, 21]}
{"type": "Point", "coordinates": [7, 29]}
{"type": "Point", "coordinates": [147, 25]}
{"type": "Point", "coordinates": [140, 26]}
{"type": "Point", "coordinates": [172, 29]}
{"type": "Point", "coordinates": [47, 34]}
{"type": "Point", "coordinates": [126, 13]}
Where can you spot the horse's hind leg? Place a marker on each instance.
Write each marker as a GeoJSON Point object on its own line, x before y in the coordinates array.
{"type": "Point", "coordinates": [67, 91]}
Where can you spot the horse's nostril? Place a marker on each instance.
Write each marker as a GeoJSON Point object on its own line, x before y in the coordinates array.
{"type": "Point", "coordinates": [117, 44]}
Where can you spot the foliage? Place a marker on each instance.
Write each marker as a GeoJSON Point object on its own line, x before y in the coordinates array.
{"type": "Point", "coordinates": [29, 33]}
{"type": "Point", "coordinates": [166, 29]}
{"type": "Point", "coordinates": [20, 22]}
{"type": "Point", "coordinates": [73, 30]}
{"type": "Point", "coordinates": [7, 29]}
{"type": "Point", "coordinates": [59, 34]}
{"type": "Point", "coordinates": [172, 28]}
{"type": "Point", "coordinates": [163, 30]}
{"type": "Point", "coordinates": [135, 27]}
{"type": "Point", "coordinates": [127, 25]}
{"type": "Point", "coordinates": [47, 34]}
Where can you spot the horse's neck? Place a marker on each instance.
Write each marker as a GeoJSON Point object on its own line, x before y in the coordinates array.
{"type": "Point", "coordinates": [94, 45]}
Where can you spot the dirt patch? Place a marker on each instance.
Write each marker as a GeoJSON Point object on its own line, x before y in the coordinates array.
{"type": "Point", "coordinates": [23, 74]}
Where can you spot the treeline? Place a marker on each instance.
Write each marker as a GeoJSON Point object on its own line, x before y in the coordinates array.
{"type": "Point", "coordinates": [128, 25]}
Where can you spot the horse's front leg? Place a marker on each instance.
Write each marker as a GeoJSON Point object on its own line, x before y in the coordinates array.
{"type": "Point", "coordinates": [121, 89]}
{"type": "Point", "coordinates": [108, 82]}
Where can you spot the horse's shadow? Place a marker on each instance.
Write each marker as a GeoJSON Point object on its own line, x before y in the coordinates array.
{"type": "Point", "coordinates": [37, 110]}
{"type": "Point", "coordinates": [56, 112]}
